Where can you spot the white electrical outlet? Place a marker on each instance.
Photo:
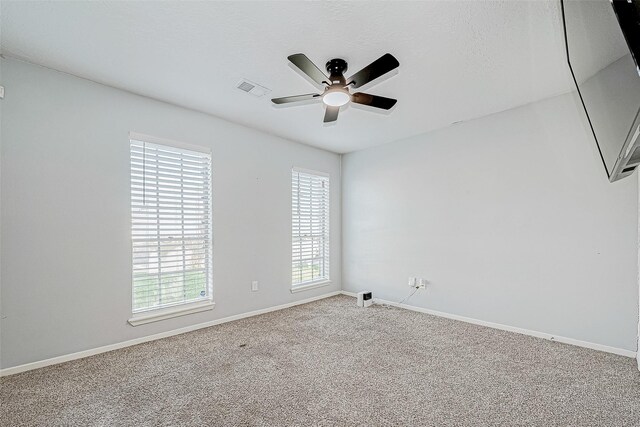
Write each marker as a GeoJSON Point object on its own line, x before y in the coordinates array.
{"type": "Point", "coordinates": [422, 283]}
{"type": "Point", "coordinates": [254, 286]}
{"type": "Point", "coordinates": [412, 282]}
{"type": "Point", "coordinates": [1, 92]}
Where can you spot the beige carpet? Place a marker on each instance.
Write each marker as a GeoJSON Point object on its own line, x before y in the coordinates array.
{"type": "Point", "coordinates": [329, 363]}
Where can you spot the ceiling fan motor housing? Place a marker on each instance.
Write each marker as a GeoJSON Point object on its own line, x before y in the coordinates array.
{"type": "Point", "coordinates": [336, 68]}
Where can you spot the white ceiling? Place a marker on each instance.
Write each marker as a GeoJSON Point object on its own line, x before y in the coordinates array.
{"type": "Point", "coordinates": [458, 60]}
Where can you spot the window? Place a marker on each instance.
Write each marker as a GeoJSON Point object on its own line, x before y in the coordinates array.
{"type": "Point", "coordinates": [170, 225]}
{"type": "Point", "coordinates": [310, 228]}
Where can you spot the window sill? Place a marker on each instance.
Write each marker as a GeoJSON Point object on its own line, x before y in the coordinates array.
{"type": "Point", "coordinates": [308, 286]}
{"type": "Point", "coordinates": [167, 313]}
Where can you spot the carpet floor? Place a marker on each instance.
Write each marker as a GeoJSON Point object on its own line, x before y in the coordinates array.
{"type": "Point", "coordinates": [329, 363]}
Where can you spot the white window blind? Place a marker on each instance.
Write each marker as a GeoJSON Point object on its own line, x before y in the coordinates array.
{"type": "Point", "coordinates": [170, 225]}
{"type": "Point", "coordinates": [310, 227]}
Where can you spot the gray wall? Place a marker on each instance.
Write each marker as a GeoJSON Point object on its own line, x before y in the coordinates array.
{"type": "Point", "coordinates": [510, 217]}
{"type": "Point", "coordinates": [66, 249]}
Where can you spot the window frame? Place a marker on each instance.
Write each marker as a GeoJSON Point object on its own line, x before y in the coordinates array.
{"type": "Point", "coordinates": [147, 315]}
{"type": "Point", "coordinates": [326, 279]}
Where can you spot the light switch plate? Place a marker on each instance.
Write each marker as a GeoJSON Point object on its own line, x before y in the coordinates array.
{"type": "Point", "coordinates": [1, 92]}
{"type": "Point", "coordinates": [254, 286]}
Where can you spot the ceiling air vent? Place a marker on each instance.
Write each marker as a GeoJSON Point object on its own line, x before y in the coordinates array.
{"type": "Point", "coordinates": [252, 88]}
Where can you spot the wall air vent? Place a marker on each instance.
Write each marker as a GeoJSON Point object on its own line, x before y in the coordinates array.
{"type": "Point", "coordinates": [252, 88]}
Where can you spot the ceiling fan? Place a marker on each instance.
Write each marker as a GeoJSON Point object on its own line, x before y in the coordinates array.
{"type": "Point", "coordinates": [336, 92]}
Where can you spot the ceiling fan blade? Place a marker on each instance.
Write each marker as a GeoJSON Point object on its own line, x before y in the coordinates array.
{"type": "Point", "coordinates": [305, 65]}
{"type": "Point", "coordinates": [373, 100]}
{"type": "Point", "coordinates": [296, 98]}
{"type": "Point", "coordinates": [331, 115]}
{"type": "Point", "coordinates": [377, 68]}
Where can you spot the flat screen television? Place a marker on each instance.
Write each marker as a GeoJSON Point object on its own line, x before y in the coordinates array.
{"type": "Point", "coordinates": [603, 50]}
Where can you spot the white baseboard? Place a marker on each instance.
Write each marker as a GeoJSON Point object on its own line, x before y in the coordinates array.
{"type": "Point", "coordinates": [544, 335]}
{"type": "Point", "coordinates": [86, 353]}
{"type": "Point", "coordinates": [123, 344]}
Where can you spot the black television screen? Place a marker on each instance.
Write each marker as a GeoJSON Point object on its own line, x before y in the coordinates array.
{"type": "Point", "coordinates": [603, 47]}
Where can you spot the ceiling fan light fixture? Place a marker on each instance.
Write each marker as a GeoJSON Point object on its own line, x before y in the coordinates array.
{"type": "Point", "coordinates": [336, 98]}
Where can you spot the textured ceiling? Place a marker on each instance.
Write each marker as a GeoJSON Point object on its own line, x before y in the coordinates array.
{"type": "Point", "coordinates": [458, 60]}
